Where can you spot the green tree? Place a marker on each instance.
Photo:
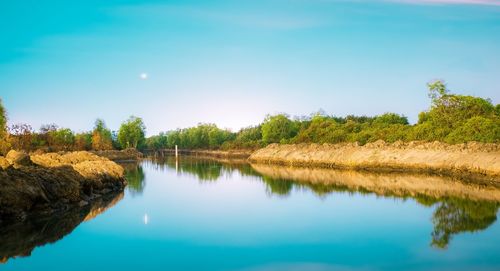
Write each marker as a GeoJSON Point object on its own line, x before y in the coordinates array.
{"type": "Point", "coordinates": [278, 128]}
{"type": "Point", "coordinates": [63, 139]}
{"type": "Point", "coordinates": [132, 133]}
{"type": "Point", "coordinates": [476, 129]}
{"type": "Point", "coordinates": [390, 119]}
{"type": "Point", "coordinates": [3, 120]}
{"type": "Point", "coordinates": [4, 144]}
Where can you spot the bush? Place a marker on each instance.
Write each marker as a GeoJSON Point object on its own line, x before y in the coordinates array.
{"type": "Point", "coordinates": [276, 128]}
{"type": "Point", "coordinates": [478, 128]}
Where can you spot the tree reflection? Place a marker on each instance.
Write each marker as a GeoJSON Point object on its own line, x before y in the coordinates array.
{"type": "Point", "coordinates": [456, 212]}
{"type": "Point", "coordinates": [204, 169]}
{"type": "Point", "coordinates": [135, 178]}
{"type": "Point", "coordinates": [277, 186]}
{"type": "Point", "coordinates": [454, 216]}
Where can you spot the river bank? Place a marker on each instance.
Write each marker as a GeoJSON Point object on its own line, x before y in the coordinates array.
{"type": "Point", "coordinates": [46, 183]}
{"type": "Point", "coordinates": [125, 155]}
{"type": "Point", "coordinates": [472, 160]}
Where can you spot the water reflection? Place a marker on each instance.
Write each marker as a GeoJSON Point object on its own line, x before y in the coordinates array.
{"type": "Point", "coordinates": [453, 216]}
{"type": "Point", "coordinates": [203, 169]}
{"type": "Point", "coordinates": [135, 177]}
{"type": "Point", "coordinates": [459, 206]}
{"type": "Point", "coordinates": [18, 239]}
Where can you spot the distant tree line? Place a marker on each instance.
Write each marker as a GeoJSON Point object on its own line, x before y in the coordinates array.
{"type": "Point", "coordinates": [50, 137]}
{"type": "Point", "coordinates": [451, 118]}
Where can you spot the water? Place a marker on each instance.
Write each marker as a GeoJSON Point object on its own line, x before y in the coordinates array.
{"type": "Point", "coordinates": [208, 215]}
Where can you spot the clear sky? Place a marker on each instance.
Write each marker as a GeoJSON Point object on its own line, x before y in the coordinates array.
{"type": "Point", "coordinates": [233, 62]}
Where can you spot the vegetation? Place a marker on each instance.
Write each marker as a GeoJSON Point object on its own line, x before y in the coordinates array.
{"type": "Point", "coordinates": [451, 118]}
{"type": "Point", "coordinates": [132, 133]}
{"type": "Point", "coordinates": [3, 129]}
{"type": "Point", "coordinates": [52, 138]}
{"type": "Point", "coordinates": [101, 136]}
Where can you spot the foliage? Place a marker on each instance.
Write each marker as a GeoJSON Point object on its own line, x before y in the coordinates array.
{"type": "Point", "coordinates": [203, 136]}
{"type": "Point", "coordinates": [3, 120]}
{"type": "Point", "coordinates": [83, 141]}
{"type": "Point", "coordinates": [63, 138]}
{"type": "Point", "coordinates": [451, 118]}
{"type": "Point", "coordinates": [101, 136]}
{"type": "Point", "coordinates": [20, 136]}
{"type": "Point", "coordinates": [132, 133]}
{"type": "Point", "coordinates": [278, 128]}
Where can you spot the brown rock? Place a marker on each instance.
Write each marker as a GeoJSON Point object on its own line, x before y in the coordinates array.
{"type": "Point", "coordinates": [18, 158]}
{"type": "Point", "coordinates": [4, 163]}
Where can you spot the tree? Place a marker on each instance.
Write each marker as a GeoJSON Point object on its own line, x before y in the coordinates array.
{"type": "Point", "coordinates": [277, 128]}
{"type": "Point", "coordinates": [101, 136]}
{"type": "Point", "coordinates": [21, 136]}
{"type": "Point", "coordinates": [389, 119]}
{"type": "Point", "coordinates": [3, 120]}
{"type": "Point", "coordinates": [437, 90]}
{"type": "Point", "coordinates": [63, 139]}
{"type": "Point", "coordinates": [4, 144]}
{"type": "Point", "coordinates": [83, 141]}
{"type": "Point", "coordinates": [132, 133]}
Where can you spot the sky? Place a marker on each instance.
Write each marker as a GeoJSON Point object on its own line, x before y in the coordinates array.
{"type": "Point", "coordinates": [179, 63]}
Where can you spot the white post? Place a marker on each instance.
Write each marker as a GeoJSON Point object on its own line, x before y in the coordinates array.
{"type": "Point", "coordinates": [176, 152]}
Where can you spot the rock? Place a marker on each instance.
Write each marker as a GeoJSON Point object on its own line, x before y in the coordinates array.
{"type": "Point", "coordinates": [18, 158]}
{"type": "Point", "coordinates": [82, 203]}
{"type": "Point", "coordinates": [4, 163]}
{"type": "Point", "coordinates": [54, 181]}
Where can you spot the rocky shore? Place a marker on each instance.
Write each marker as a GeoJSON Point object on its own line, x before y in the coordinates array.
{"type": "Point", "coordinates": [51, 182]}
{"type": "Point", "coordinates": [472, 160]}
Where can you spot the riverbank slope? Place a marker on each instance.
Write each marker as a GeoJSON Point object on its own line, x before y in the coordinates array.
{"type": "Point", "coordinates": [54, 181]}
{"type": "Point", "coordinates": [470, 160]}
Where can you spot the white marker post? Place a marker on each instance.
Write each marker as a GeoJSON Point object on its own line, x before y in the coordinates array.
{"type": "Point", "coordinates": [176, 152]}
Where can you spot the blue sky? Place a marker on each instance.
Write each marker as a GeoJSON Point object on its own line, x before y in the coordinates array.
{"type": "Point", "coordinates": [233, 62]}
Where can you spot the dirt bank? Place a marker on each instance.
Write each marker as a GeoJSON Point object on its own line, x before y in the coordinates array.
{"type": "Point", "coordinates": [383, 184]}
{"type": "Point", "coordinates": [472, 160]}
{"type": "Point", "coordinates": [120, 156]}
{"type": "Point", "coordinates": [52, 181]}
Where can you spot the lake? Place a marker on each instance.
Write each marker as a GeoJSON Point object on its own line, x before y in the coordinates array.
{"type": "Point", "coordinates": [201, 214]}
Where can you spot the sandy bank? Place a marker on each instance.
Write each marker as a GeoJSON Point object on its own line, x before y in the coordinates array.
{"type": "Point", "coordinates": [52, 181]}
{"type": "Point", "coordinates": [472, 160]}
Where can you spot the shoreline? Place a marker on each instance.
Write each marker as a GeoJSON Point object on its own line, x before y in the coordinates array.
{"type": "Point", "coordinates": [464, 161]}
{"type": "Point", "coordinates": [52, 182]}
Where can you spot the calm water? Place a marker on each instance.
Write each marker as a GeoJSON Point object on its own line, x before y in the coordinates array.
{"type": "Point", "coordinates": [205, 215]}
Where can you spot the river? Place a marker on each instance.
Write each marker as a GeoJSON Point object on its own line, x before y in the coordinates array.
{"type": "Point", "coordinates": [199, 214]}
